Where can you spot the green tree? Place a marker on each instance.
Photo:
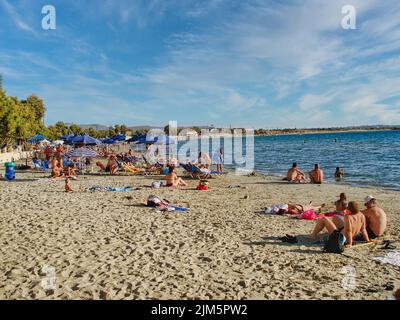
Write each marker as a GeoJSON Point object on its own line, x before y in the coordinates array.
{"type": "Point", "coordinates": [75, 129]}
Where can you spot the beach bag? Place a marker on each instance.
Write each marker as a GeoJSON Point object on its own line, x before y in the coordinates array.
{"type": "Point", "coordinates": [157, 184]}
{"type": "Point", "coordinates": [335, 242]}
{"type": "Point", "coordinates": [203, 185]}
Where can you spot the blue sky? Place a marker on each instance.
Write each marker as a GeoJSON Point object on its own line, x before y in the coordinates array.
{"type": "Point", "coordinates": [263, 64]}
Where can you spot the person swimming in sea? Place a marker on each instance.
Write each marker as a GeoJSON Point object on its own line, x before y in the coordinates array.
{"type": "Point", "coordinates": [339, 174]}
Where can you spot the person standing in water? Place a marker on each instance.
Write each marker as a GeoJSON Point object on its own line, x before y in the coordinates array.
{"type": "Point", "coordinates": [339, 174]}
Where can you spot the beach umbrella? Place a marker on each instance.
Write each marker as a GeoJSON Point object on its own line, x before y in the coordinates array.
{"type": "Point", "coordinates": [43, 142]}
{"type": "Point", "coordinates": [36, 139]}
{"type": "Point", "coordinates": [137, 137]}
{"type": "Point", "coordinates": [146, 141]}
{"type": "Point", "coordinates": [67, 137]}
{"type": "Point", "coordinates": [85, 139]}
{"type": "Point", "coordinates": [119, 138]}
{"type": "Point", "coordinates": [81, 153]}
{"type": "Point", "coordinates": [108, 141]}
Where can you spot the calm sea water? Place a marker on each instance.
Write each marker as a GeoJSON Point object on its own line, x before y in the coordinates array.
{"type": "Point", "coordinates": [368, 158]}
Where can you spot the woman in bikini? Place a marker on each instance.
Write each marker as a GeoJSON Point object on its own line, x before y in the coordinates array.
{"type": "Point", "coordinates": [173, 180]}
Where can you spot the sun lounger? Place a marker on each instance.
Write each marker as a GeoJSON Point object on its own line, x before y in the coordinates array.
{"type": "Point", "coordinates": [195, 172]}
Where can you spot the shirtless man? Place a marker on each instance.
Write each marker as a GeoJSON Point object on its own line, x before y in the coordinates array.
{"type": "Point", "coordinates": [295, 174]}
{"type": "Point", "coordinates": [376, 218]}
{"type": "Point", "coordinates": [350, 225]}
{"type": "Point", "coordinates": [316, 175]}
{"type": "Point", "coordinates": [173, 180]}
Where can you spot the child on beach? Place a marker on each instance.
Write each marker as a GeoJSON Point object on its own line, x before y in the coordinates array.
{"type": "Point", "coordinates": [68, 188]}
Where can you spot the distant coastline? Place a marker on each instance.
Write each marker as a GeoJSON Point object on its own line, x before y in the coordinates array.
{"type": "Point", "coordinates": [282, 132]}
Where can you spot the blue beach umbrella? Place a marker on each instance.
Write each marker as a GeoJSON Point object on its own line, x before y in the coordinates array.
{"type": "Point", "coordinates": [36, 139]}
{"type": "Point", "coordinates": [85, 139]}
{"type": "Point", "coordinates": [108, 141]}
{"type": "Point", "coordinates": [119, 138]}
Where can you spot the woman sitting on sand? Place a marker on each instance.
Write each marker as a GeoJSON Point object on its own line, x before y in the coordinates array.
{"type": "Point", "coordinates": [173, 180]}
{"type": "Point", "coordinates": [341, 204]}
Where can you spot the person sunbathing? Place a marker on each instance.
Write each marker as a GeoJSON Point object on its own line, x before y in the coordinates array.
{"type": "Point", "coordinates": [300, 208]}
{"type": "Point", "coordinates": [316, 175]}
{"type": "Point", "coordinates": [376, 218]}
{"type": "Point", "coordinates": [112, 165]}
{"type": "Point", "coordinates": [341, 204]}
{"type": "Point", "coordinates": [295, 174]}
{"type": "Point", "coordinates": [350, 225]}
{"type": "Point", "coordinates": [130, 167]}
{"type": "Point", "coordinates": [173, 180]}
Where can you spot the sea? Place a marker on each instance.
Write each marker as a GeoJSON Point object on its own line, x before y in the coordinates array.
{"type": "Point", "coordinates": [369, 159]}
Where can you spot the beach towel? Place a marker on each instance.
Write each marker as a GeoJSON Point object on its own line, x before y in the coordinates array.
{"type": "Point", "coordinates": [108, 188]}
{"type": "Point", "coordinates": [310, 215]}
{"type": "Point", "coordinates": [392, 257]}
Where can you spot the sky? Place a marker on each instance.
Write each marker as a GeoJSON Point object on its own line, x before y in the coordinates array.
{"type": "Point", "coordinates": [251, 64]}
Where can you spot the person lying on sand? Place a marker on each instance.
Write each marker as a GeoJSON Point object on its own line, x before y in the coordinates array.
{"type": "Point", "coordinates": [316, 175]}
{"type": "Point", "coordinates": [173, 180]}
{"type": "Point", "coordinates": [295, 174]}
{"type": "Point", "coordinates": [350, 225]}
{"type": "Point", "coordinates": [299, 208]}
{"type": "Point", "coordinates": [375, 217]}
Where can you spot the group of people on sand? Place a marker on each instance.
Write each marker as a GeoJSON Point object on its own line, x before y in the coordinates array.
{"type": "Point", "coordinates": [316, 176]}
{"type": "Point", "coordinates": [353, 223]}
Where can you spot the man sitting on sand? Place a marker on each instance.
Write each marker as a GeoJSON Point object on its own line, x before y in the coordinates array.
{"type": "Point", "coordinates": [173, 180]}
{"type": "Point", "coordinates": [295, 174]}
{"type": "Point", "coordinates": [350, 225]}
{"type": "Point", "coordinates": [316, 175]}
{"type": "Point", "coordinates": [376, 218]}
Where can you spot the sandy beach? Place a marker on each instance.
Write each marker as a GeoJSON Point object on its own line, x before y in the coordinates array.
{"type": "Point", "coordinates": [108, 245]}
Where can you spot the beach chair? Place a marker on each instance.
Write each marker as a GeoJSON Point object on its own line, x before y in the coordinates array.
{"type": "Point", "coordinates": [36, 164]}
{"type": "Point", "coordinates": [44, 166]}
{"type": "Point", "coordinates": [195, 172]}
